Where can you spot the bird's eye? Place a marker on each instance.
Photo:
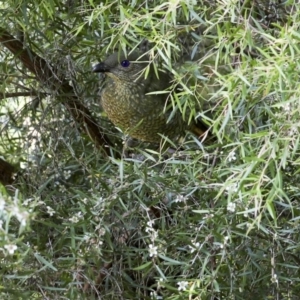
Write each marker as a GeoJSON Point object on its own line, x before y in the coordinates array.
{"type": "Point", "coordinates": [125, 63]}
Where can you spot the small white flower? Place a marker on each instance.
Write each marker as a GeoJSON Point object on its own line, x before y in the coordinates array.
{"type": "Point", "coordinates": [22, 217]}
{"type": "Point", "coordinates": [154, 235]}
{"type": "Point", "coordinates": [226, 239]}
{"type": "Point", "coordinates": [160, 283]}
{"type": "Point", "coordinates": [231, 207]}
{"type": "Point", "coordinates": [152, 250]}
{"type": "Point", "coordinates": [62, 188]}
{"type": "Point", "coordinates": [148, 229]}
{"type": "Point", "coordinates": [233, 188]}
{"type": "Point", "coordinates": [11, 248]}
{"type": "Point", "coordinates": [208, 216]}
{"type": "Point", "coordinates": [27, 201]}
{"type": "Point", "coordinates": [73, 219]}
{"type": "Point", "coordinates": [195, 246]}
{"type": "Point", "coordinates": [231, 156]}
{"type": "Point", "coordinates": [150, 223]}
{"type": "Point", "coordinates": [101, 231]}
{"type": "Point", "coordinates": [274, 278]}
{"type": "Point", "coordinates": [67, 174]}
{"type": "Point", "coordinates": [182, 285]}
{"type": "Point", "coordinates": [155, 296]}
{"type": "Point", "coordinates": [50, 211]}
{"type": "Point", "coordinates": [76, 218]}
{"type": "Point", "coordinates": [179, 198]}
{"type": "Point", "coordinates": [86, 237]}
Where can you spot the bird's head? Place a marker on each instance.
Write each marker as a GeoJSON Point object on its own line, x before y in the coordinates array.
{"type": "Point", "coordinates": [123, 67]}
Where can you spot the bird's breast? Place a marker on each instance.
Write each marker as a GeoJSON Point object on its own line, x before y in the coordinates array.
{"type": "Point", "coordinates": [138, 114]}
{"type": "Point", "coordinates": [125, 106]}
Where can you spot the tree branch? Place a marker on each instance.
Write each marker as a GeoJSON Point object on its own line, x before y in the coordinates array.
{"type": "Point", "coordinates": [47, 76]}
{"type": "Point", "coordinates": [17, 94]}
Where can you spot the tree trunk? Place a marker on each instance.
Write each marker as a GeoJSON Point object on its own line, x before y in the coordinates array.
{"type": "Point", "coordinates": [6, 172]}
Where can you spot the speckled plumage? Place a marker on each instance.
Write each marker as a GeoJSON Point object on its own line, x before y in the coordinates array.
{"type": "Point", "coordinates": [126, 103]}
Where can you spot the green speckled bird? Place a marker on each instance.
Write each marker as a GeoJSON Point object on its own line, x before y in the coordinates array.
{"type": "Point", "coordinates": [128, 105]}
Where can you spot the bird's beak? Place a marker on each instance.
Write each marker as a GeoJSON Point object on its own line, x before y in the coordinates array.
{"type": "Point", "coordinates": [101, 68]}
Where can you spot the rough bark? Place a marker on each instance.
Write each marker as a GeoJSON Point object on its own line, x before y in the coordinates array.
{"type": "Point", "coordinates": [6, 172]}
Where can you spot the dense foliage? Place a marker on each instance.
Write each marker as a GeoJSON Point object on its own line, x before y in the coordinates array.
{"type": "Point", "coordinates": [87, 216]}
